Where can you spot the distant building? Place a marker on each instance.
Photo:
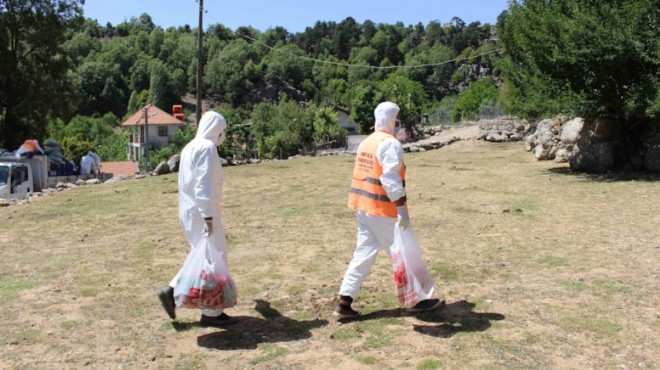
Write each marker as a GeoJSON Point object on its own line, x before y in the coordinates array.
{"type": "Point", "coordinates": [150, 125]}
{"type": "Point", "coordinates": [345, 122]}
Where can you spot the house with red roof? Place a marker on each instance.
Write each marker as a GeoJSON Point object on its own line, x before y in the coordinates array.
{"type": "Point", "coordinates": [126, 168]}
{"type": "Point", "coordinates": [150, 125]}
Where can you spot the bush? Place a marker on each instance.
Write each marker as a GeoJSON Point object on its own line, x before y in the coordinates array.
{"type": "Point", "coordinates": [470, 101]}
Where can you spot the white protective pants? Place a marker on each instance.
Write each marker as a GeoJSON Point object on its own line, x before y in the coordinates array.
{"type": "Point", "coordinates": [374, 233]}
{"type": "Point", "coordinates": [219, 241]}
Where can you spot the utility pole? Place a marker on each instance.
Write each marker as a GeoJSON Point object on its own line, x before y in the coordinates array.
{"type": "Point", "coordinates": [199, 63]}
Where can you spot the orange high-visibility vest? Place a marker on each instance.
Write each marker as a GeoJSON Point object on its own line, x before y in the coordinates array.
{"type": "Point", "coordinates": [31, 145]}
{"type": "Point", "coordinates": [367, 193]}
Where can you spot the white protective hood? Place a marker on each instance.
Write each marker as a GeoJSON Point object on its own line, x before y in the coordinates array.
{"type": "Point", "coordinates": [201, 178]}
{"type": "Point", "coordinates": [385, 115]}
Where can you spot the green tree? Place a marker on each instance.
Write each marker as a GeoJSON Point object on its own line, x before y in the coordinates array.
{"type": "Point", "coordinates": [362, 58]}
{"type": "Point", "coordinates": [113, 147]}
{"type": "Point", "coordinates": [334, 92]}
{"type": "Point", "coordinates": [434, 71]}
{"type": "Point", "coordinates": [158, 85]}
{"type": "Point", "coordinates": [282, 130]}
{"type": "Point", "coordinates": [344, 37]}
{"type": "Point", "coordinates": [364, 99]}
{"type": "Point", "coordinates": [232, 73]}
{"type": "Point", "coordinates": [601, 56]}
{"type": "Point", "coordinates": [73, 148]}
{"type": "Point", "coordinates": [328, 76]}
{"type": "Point", "coordinates": [327, 133]}
{"type": "Point", "coordinates": [286, 65]}
{"type": "Point", "coordinates": [386, 42]}
{"type": "Point", "coordinates": [137, 101]}
{"type": "Point", "coordinates": [34, 85]}
{"type": "Point", "coordinates": [80, 45]}
{"type": "Point", "coordinates": [408, 94]}
{"type": "Point", "coordinates": [140, 74]}
{"type": "Point", "coordinates": [101, 88]}
{"type": "Point", "coordinates": [96, 132]}
{"type": "Point", "coordinates": [477, 94]}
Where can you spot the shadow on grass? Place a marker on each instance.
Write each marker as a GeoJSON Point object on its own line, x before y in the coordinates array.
{"type": "Point", "coordinates": [251, 331]}
{"type": "Point", "coordinates": [612, 176]}
{"type": "Point", "coordinates": [455, 318]}
{"type": "Point", "coordinates": [452, 318]}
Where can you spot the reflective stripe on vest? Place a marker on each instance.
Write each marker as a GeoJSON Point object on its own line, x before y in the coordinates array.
{"type": "Point", "coordinates": [367, 193]}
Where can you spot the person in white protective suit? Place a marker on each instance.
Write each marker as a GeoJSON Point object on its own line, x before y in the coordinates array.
{"type": "Point", "coordinates": [378, 194]}
{"type": "Point", "coordinates": [200, 189]}
{"type": "Point", "coordinates": [88, 165]}
{"type": "Point", "coordinates": [97, 160]}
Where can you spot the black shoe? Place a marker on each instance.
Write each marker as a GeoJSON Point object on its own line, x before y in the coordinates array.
{"type": "Point", "coordinates": [425, 305]}
{"type": "Point", "coordinates": [218, 321]}
{"type": "Point", "coordinates": [166, 296]}
{"type": "Point", "coordinates": [344, 311]}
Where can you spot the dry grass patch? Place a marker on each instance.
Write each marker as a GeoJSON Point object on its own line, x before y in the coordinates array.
{"type": "Point", "coordinates": [540, 268]}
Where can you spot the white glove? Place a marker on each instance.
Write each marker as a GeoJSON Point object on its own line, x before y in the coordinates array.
{"type": "Point", "coordinates": [208, 228]}
{"type": "Point", "coordinates": [402, 216]}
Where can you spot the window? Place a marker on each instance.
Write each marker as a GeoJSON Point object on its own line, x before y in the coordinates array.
{"type": "Point", "coordinates": [162, 131]}
{"type": "Point", "coordinates": [19, 175]}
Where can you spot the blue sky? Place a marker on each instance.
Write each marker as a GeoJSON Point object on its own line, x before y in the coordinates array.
{"type": "Point", "coordinates": [294, 15]}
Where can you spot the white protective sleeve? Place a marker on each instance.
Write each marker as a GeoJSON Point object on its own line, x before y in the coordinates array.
{"type": "Point", "coordinates": [390, 156]}
{"type": "Point", "coordinates": [206, 194]}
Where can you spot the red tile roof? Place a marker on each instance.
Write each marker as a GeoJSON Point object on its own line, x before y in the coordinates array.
{"type": "Point", "coordinates": [128, 168]}
{"type": "Point", "coordinates": [156, 116]}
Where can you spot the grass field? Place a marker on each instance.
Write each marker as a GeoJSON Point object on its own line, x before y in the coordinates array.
{"type": "Point", "coordinates": [540, 269]}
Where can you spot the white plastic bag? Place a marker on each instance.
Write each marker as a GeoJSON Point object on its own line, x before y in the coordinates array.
{"type": "Point", "coordinates": [412, 280]}
{"type": "Point", "coordinates": [204, 280]}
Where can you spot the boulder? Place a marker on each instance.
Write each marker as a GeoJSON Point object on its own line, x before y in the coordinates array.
{"type": "Point", "coordinates": [502, 129]}
{"type": "Point", "coordinates": [594, 158]}
{"type": "Point", "coordinates": [562, 155]}
{"type": "Point", "coordinates": [550, 138]}
{"type": "Point", "coordinates": [570, 131]}
{"type": "Point", "coordinates": [162, 169]}
{"type": "Point", "coordinates": [173, 162]}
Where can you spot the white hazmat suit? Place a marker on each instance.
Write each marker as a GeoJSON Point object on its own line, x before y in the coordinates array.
{"type": "Point", "coordinates": [88, 165]}
{"type": "Point", "coordinates": [376, 232]}
{"type": "Point", "coordinates": [200, 188]}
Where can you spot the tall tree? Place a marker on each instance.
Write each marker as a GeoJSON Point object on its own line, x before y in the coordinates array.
{"type": "Point", "coordinates": [469, 102]}
{"type": "Point", "coordinates": [434, 69]}
{"type": "Point", "coordinates": [605, 53]}
{"type": "Point", "coordinates": [366, 95]}
{"type": "Point", "coordinates": [231, 74]}
{"type": "Point", "coordinates": [408, 94]}
{"type": "Point", "coordinates": [33, 68]}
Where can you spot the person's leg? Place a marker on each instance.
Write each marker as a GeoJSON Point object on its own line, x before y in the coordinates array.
{"type": "Point", "coordinates": [166, 294]}
{"type": "Point", "coordinates": [364, 256]}
{"type": "Point", "coordinates": [383, 228]}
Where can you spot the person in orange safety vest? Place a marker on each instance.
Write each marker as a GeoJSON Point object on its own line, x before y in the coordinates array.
{"type": "Point", "coordinates": [378, 194]}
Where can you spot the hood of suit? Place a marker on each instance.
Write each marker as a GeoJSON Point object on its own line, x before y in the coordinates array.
{"type": "Point", "coordinates": [385, 115]}
{"type": "Point", "coordinates": [212, 127]}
